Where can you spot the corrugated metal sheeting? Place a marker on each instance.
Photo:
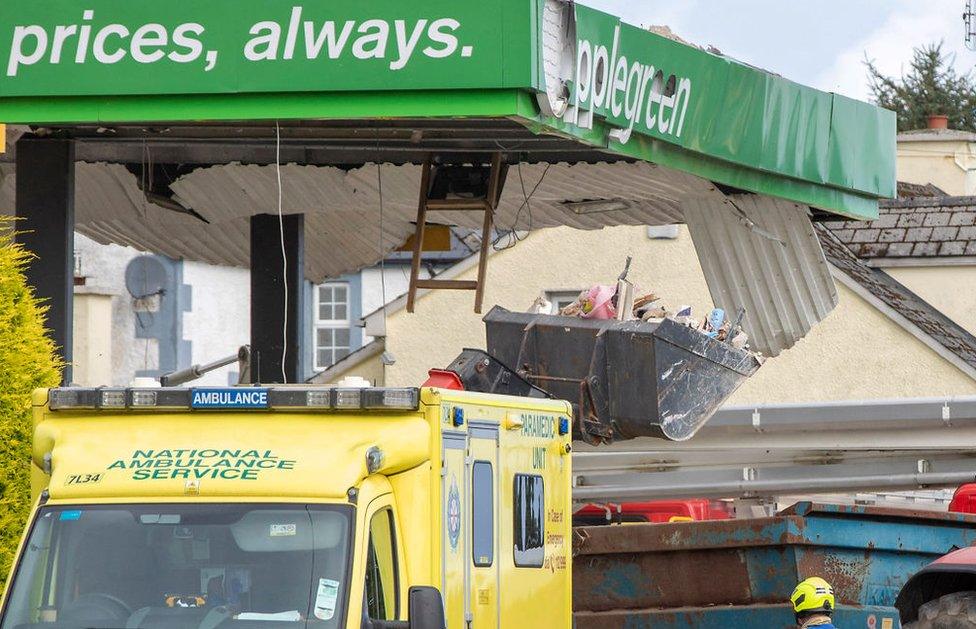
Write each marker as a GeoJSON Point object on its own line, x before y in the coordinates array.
{"type": "Point", "coordinates": [762, 254]}
{"type": "Point", "coordinates": [111, 209]}
{"type": "Point", "coordinates": [757, 252]}
{"type": "Point", "coordinates": [341, 207]}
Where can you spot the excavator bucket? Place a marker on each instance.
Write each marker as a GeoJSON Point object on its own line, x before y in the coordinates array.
{"type": "Point", "coordinates": [626, 379]}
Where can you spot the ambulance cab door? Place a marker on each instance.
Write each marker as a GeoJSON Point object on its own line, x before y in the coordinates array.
{"type": "Point", "coordinates": [481, 519]}
{"type": "Point", "coordinates": [383, 589]}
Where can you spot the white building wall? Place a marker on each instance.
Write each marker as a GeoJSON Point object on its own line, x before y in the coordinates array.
{"type": "Point", "coordinates": [219, 321]}
{"type": "Point", "coordinates": [217, 324]}
{"type": "Point", "coordinates": [103, 266]}
{"type": "Point", "coordinates": [397, 283]}
{"type": "Point", "coordinates": [91, 354]}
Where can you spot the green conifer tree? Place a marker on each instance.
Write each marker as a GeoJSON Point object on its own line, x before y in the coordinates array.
{"type": "Point", "coordinates": [931, 86]}
{"type": "Point", "coordinates": [26, 362]}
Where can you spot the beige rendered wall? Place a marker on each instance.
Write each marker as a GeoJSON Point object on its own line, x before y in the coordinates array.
{"type": "Point", "coordinates": [92, 337]}
{"type": "Point", "coordinates": [951, 289]}
{"type": "Point", "coordinates": [937, 163]}
{"type": "Point", "coordinates": [855, 353]}
{"type": "Point", "coordinates": [370, 368]}
{"type": "Point", "coordinates": [556, 259]}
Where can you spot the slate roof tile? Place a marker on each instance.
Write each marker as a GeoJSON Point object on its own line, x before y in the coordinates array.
{"type": "Point", "coordinates": [963, 218]}
{"type": "Point", "coordinates": [892, 235]}
{"type": "Point", "coordinates": [911, 220]}
{"type": "Point", "coordinates": [898, 297]}
{"type": "Point", "coordinates": [924, 222]}
{"type": "Point", "coordinates": [954, 248]}
{"type": "Point", "coordinates": [944, 234]}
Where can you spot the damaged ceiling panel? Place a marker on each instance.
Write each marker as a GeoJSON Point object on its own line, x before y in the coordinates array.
{"type": "Point", "coordinates": [762, 254]}
{"type": "Point", "coordinates": [110, 208]}
{"type": "Point", "coordinates": [342, 206]}
{"type": "Point", "coordinates": [535, 195]}
{"type": "Point", "coordinates": [757, 252]}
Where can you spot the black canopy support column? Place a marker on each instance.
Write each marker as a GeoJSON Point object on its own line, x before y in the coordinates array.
{"type": "Point", "coordinates": [270, 315]}
{"type": "Point", "coordinates": [46, 208]}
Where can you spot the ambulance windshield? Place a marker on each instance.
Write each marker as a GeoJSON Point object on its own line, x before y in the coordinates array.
{"type": "Point", "coordinates": [200, 566]}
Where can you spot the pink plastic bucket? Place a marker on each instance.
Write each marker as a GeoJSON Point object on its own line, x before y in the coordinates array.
{"type": "Point", "coordinates": [598, 303]}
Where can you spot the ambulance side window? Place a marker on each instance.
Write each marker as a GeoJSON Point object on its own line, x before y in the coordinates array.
{"type": "Point", "coordinates": [482, 515]}
{"type": "Point", "coordinates": [530, 514]}
{"type": "Point", "coordinates": [381, 568]}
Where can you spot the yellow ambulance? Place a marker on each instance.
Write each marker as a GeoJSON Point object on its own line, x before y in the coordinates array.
{"type": "Point", "coordinates": [294, 506]}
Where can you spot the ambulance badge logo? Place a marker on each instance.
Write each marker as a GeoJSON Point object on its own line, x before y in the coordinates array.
{"type": "Point", "coordinates": [454, 514]}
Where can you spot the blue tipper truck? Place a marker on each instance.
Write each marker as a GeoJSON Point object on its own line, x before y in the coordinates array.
{"type": "Point", "coordinates": [739, 573]}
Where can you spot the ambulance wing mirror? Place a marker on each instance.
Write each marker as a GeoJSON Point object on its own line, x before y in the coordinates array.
{"type": "Point", "coordinates": [426, 608]}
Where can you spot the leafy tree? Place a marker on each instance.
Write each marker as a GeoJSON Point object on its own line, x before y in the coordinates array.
{"type": "Point", "coordinates": [930, 87]}
{"type": "Point", "coordinates": [26, 363]}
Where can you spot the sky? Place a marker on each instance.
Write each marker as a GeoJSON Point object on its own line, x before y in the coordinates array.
{"type": "Point", "coordinates": [821, 44]}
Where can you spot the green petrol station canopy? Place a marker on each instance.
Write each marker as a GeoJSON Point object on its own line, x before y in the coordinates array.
{"type": "Point", "coordinates": [187, 119]}
{"type": "Point", "coordinates": [556, 69]}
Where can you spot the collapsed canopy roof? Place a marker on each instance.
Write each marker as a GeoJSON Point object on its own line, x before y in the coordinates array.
{"type": "Point", "coordinates": [177, 108]}
{"type": "Point", "coordinates": [558, 68]}
{"type": "Point", "coordinates": [342, 206]}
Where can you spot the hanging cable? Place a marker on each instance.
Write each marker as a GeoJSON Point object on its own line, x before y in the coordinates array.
{"type": "Point", "coordinates": [284, 256]}
{"type": "Point", "coordinates": [514, 238]}
{"type": "Point", "coordinates": [379, 184]}
{"type": "Point", "coordinates": [527, 203]}
{"type": "Point", "coordinates": [382, 252]}
{"type": "Point", "coordinates": [145, 159]}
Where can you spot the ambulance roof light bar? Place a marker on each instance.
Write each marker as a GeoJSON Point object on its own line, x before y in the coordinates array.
{"type": "Point", "coordinates": [235, 398]}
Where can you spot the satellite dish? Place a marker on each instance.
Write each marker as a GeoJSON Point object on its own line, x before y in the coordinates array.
{"type": "Point", "coordinates": [145, 276]}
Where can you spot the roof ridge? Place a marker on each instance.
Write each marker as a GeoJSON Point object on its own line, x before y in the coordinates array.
{"type": "Point", "coordinates": [924, 202]}
{"type": "Point", "coordinates": [928, 319]}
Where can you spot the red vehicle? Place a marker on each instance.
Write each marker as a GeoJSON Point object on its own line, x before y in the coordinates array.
{"type": "Point", "coordinates": [964, 500]}
{"type": "Point", "coordinates": [943, 594]}
{"type": "Point", "coordinates": [654, 511]}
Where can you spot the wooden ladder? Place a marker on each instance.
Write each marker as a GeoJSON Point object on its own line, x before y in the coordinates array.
{"type": "Point", "coordinates": [488, 205]}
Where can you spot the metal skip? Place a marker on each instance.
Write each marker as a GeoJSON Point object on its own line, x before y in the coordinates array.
{"type": "Point", "coordinates": [626, 378]}
{"type": "Point", "coordinates": [651, 576]}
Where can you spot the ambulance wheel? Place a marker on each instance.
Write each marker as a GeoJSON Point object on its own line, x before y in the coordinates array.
{"type": "Point", "coordinates": [952, 611]}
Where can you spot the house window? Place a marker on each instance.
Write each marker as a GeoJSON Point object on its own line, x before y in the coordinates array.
{"type": "Point", "coordinates": [333, 303]}
{"type": "Point", "coordinates": [332, 328]}
{"type": "Point", "coordinates": [561, 298]}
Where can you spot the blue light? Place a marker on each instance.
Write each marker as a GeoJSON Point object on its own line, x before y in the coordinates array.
{"type": "Point", "coordinates": [563, 426]}
{"type": "Point", "coordinates": [70, 516]}
{"type": "Point", "coordinates": [458, 416]}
